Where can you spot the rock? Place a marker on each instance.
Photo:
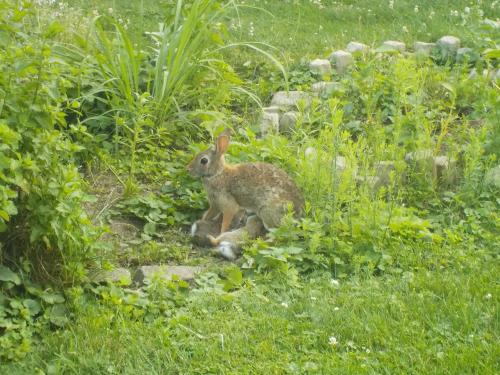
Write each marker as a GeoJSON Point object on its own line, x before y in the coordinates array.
{"type": "Point", "coordinates": [445, 169]}
{"type": "Point", "coordinates": [383, 171]}
{"type": "Point", "coordinates": [321, 67]}
{"type": "Point", "coordinates": [423, 47]}
{"type": "Point", "coordinates": [311, 153]}
{"type": "Point", "coordinates": [467, 55]}
{"type": "Point", "coordinates": [357, 48]}
{"type": "Point", "coordinates": [272, 109]}
{"type": "Point", "coordinates": [186, 273]}
{"type": "Point", "coordinates": [422, 161]}
{"type": "Point", "coordinates": [326, 88]}
{"type": "Point", "coordinates": [288, 121]}
{"type": "Point", "coordinates": [492, 177]}
{"type": "Point", "coordinates": [118, 275]}
{"type": "Point", "coordinates": [340, 164]}
{"type": "Point", "coordinates": [393, 45]}
{"type": "Point", "coordinates": [341, 60]}
{"type": "Point", "coordinates": [270, 122]}
{"type": "Point", "coordinates": [373, 183]}
{"type": "Point", "coordinates": [448, 45]}
{"type": "Point", "coordinates": [285, 99]}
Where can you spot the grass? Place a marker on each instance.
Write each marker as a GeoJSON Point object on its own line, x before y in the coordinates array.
{"type": "Point", "coordinates": [423, 322]}
{"type": "Point", "coordinates": [303, 28]}
{"type": "Point", "coordinates": [434, 309]}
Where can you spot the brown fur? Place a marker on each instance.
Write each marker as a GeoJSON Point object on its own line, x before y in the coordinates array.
{"type": "Point", "coordinates": [205, 228]}
{"type": "Point", "coordinates": [257, 187]}
{"type": "Point", "coordinates": [252, 229]}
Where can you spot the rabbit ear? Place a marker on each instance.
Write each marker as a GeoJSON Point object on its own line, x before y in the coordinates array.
{"type": "Point", "coordinates": [222, 143]}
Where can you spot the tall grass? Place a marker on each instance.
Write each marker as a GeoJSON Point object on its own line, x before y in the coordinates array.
{"type": "Point", "coordinates": [180, 71]}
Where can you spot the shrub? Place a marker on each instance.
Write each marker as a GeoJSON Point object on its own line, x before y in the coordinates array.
{"type": "Point", "coordinates": [41, 191]}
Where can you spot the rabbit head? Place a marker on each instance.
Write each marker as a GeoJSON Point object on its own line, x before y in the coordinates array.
{"type": "Point", "coordinates": [210, 162]}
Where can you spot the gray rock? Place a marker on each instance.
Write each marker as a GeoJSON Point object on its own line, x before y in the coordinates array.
{"type": "Point", "coordinates": [272, 109]}
{"type": "Point", "coordinates": [374, 183]}
{"type": "Point", "coordinates": [285, 99]}
{"type": "Point", "coordinates": [311, 153]}
{"type": "Point", "coordinates": [383, 171]}
{"type": "Point", "coordinates": [186, 273]}
{"type": "Point", "coordinates": [467, 55]}
{"type": "Point", "coordinates": [448, 45]}
{"type": "Point", "coordinates": [121, 276]}
{"type": "Point", "coordinates": [394, 45]}
{"type": "Point", "coordinates": [270, 122]}
{"type": "Point", "coordinates": [445, 169]}
{"type": "Point", "coordinates": [341, 60]}
{"type": "Point", "coordinates": [288, 121]}
{"type": "Point", "coordinates": [423, 47]}
{"type": "Point", "coordinates": [492, 177]}
{"type": "Point", "coordinates": [326, 88]}
{"type": "Point", "coordinates": [340, 164]}
{"type": "Point", "coordinates": [357, 48]}
{"type": "Point", "coordinates": [422, 161]}
{"type": "Point", "coordinates": [491, 74]}
{"type": "Point", "coordinates": [320, 66]}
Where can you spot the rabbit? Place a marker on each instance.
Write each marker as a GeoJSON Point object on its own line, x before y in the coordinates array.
{"type": "Point", "coordinates": [230, 243]}
{"type": "Point", "coordinates": [201, 229]}
{"type": "Point", "coordinates": [260, 188]}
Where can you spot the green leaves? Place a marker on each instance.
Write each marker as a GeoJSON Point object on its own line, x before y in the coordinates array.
{"type": "Point", "coordinates": [7, 275]}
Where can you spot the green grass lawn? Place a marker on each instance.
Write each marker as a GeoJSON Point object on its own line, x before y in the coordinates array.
{"type": "Point", "coordinates": [432, 310]}
{"type": "Point", "coordinates": [425, 322]}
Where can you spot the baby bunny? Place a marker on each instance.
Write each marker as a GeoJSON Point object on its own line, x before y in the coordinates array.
{"type": "Point", "coordinates": [260, 188]}
{"type": "Point", "coordinates": [201, 229]}
{"type": "Point", "coordinates": [230, 243]}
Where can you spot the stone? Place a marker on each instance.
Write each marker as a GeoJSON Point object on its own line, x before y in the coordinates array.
{"type": "Point", "coordinates": [186, 273]}
{"type": "Point", "coordinates": [321, 67]}
{"type": "Point", "coordinates": [326, 88]}
{"type": "Point", "coordinates": [383, 170]}
{"type": "Point", "coordinates": [467, 55]}
{"type": "Point", "coordinates": [445, 169]}
{"type": "Point", "coordinates": [394, 45]}
{"type": "Point", "coordinates": [272, 109]}
{"type": "Point", "coordinates": [341, 60]}
{"type": "Point", "coordinates": [448, 45]}
{"type": "Point", "coordinates": [285, 99]}
{"type": "Point", "coordinates": [270, 121]}
{"type": "Point", "coordinates": [118, 275]}
{"type": "Point", "coordinates": [340, 164]}
{"type": "Point", "coordinates": [492, 177]}
{"type": "Point", "coordinates": [423, 47]}
{"type": "Point", "coordinates": [374, 183]}
{"type": "Point", "coordinates": [288, 121]}
{"type": "Point", "coordinates": [357, 48]}
{"type": "Point", "coordinates": [422, 161]}
{"type": "Point", "coordinates": [311, 153]}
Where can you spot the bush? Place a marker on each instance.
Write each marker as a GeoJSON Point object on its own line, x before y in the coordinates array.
{"type": "Point", "coordinates": [41, 191]}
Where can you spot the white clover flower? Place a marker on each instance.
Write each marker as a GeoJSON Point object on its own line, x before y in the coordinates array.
{"type": "Point", "coordinates": [110, 10]}
{"type": "Point", "coordinates": [336, 308]}
{"type": "Point", "coordinates": [415, 9]}
{"type": "Point", "coordinates": [467, 10]}
{"type": "Point", "coordinates": [284, 304]}
{"type": "Point", "coordinates": [488, 296]}
{"type": "Point", "coordinates": [332, 340]}
{"type": "Point", "coordinates": [391, 4]}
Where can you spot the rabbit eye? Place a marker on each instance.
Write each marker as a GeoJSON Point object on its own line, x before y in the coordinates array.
{"type": "Point", "coordinates": [204, 161]}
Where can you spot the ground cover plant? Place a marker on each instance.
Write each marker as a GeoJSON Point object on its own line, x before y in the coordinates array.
{"type": "Point", "coordinates": [392, 269]}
